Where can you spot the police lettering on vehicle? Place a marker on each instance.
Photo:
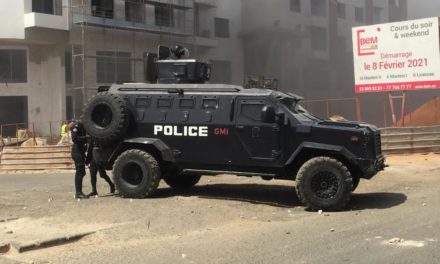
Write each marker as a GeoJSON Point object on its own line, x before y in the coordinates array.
{"type": "Point", "coordinates": [185, 131]}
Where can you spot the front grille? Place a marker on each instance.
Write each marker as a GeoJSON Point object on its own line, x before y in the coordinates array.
{"type": "Point", "coordinates": [378, 143]}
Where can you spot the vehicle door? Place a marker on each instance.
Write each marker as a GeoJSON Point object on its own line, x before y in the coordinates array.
{"type": "Point", "coordinates": [261, 141]}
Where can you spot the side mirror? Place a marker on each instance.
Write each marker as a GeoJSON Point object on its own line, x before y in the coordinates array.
{"type": "Point", "coordinates": [268, 114]}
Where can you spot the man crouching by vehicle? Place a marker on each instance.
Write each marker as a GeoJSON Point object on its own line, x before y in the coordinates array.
{"type": "Point", "coordinates": [96, 167]}
{"type": "Point", "coordinates": [79, 139]}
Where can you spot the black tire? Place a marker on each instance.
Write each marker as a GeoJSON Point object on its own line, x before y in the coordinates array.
{"type": "Point", "coordinates": [356, 180]}
{"type": "Point", "coordinates": [181, 182]}
{"type": "Point", "coordinates": [136, 174]}
{"type": "Point", "coordinates": [324, 183]}
{"type": "Point", "coordinates": [105, 117]}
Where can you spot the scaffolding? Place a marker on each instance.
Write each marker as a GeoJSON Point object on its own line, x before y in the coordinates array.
{"type": "Point", "coordinates": [110, 41]}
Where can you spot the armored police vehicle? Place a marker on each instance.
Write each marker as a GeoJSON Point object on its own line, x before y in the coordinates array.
{"type": "Point", "coordinates": [182, 128]}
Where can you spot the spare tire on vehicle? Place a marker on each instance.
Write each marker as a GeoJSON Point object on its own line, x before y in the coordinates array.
{"type": "Point", "coordinates": [105, 117]}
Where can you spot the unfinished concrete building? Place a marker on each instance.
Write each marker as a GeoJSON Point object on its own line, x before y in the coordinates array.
{"type": "Point", "coordinates": [54, 54]}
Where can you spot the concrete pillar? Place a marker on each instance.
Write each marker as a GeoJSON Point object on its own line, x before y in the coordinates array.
{"type": "Point", "coordinates": [47, 96]}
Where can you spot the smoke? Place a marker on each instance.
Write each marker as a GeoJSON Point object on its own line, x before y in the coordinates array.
{"type": "Point", "coordinates": [423, 8]}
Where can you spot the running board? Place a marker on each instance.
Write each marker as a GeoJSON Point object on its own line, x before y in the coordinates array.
{"type": "Point", "coordinates": [238, 173]}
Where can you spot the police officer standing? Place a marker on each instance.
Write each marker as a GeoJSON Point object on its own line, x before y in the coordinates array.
{"type": "Point", "coordinates": [79, 139]}
{"type": "Point", "coordinates": [96, 167]}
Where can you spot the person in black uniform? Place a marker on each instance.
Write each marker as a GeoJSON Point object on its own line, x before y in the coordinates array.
{"type": "Point", "coordinates": [96, 167]}
{"type": "Point", "coordinates": [79, 138]}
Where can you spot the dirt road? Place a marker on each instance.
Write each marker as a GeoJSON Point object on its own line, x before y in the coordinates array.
{"type": "Point", "coordinates": [393, 218]}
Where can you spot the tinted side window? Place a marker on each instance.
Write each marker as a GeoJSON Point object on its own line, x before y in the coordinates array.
{"type": "Point", "coordinates": [143, 102]}
{"type": "Point", "coordinates": [252, 111]}
{"type": "Point", "coordinates": [186, 103]}
{"type": "Point", "coordinates": [209, 104]}
{"type": "Point", "coordinates": [164, 103]}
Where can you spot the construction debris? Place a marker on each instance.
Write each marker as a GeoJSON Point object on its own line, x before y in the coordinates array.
{"type": "Point", "coordinates": [33, 142]}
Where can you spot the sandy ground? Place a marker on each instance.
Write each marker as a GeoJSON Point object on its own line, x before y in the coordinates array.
{"type": "Point", "coordinates": [393, 218]}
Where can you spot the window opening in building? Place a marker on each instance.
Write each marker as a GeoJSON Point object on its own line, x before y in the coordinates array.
{"type": "Point", "coordinates": [319, 7]}
{"type": "Point", "coordinates": [341, 11]}
{"type": "Point", "coordinates": [113, 67]}
{"type": "Point", "coordinates": [43, 6]}
{"type": "Point", "coordinates": [135, 11]}
{"type": "Point", "coordinates": [13, 66]}
{"type": "Point", "coordinates": [102, 8]}
{"type": "Point", "coordinates": [164, 15]}
{"type": "Point", "coordinates": [295, 6]}
{"type": "Point", "coordinates": [13, 110]}
{"type": "Point", "coordinates": [359, 14]}
{"type": "Point", "coordinates": [377, 15]}
{"type": "Point", "coordinates": [221, 27]}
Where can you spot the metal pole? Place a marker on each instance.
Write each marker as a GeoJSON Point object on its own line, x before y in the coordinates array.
{"type": "Point", "coordinates": [327, 109]}
{"type": "Point", "coordinates": [436, 110]}
{"type": "Point", "coordinates": [50, 131]}
{"type": "Point", "coordinates": [33, 130]}
{"type": "Point", "coordinates": [358, 109]}
{"type": "Point", "coordinates": [393, 114]}
{"type": "Point", "coordinates": [402, 114]}
{"type": "Point", "coordinates": [384, 113]}
{"type": "Point", "coordinates": [83, 53]}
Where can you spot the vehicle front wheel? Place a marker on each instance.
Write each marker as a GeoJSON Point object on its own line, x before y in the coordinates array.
{"type": "Point", "coordinates": [136, 174]}
{"type": "Point", "coordinates": [181, 182]}
{"type": "Point", "coordinates": [324, 183]}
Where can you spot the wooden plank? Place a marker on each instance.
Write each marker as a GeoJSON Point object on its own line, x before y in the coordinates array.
{"type": "Point", "coordinates": [43, 155]}
{"type": "Point", "coordinates": [36, 149]}
{"type": "Point", "coordinates": [36, 167]}
{"type": "Point", "coordinates": [20, 162]}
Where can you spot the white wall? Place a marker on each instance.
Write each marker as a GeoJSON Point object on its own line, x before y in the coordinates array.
{"type": "Point", "coordinates": [12, 19]}
{"type": "Point", "coordinates": [44, 87]}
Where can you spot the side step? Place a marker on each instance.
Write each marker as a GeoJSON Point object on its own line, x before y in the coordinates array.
{"type": "Point", "coordinates": [217, 172]}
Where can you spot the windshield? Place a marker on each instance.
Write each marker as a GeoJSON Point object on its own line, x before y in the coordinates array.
{"type": "Point", "coordinates": [293, 105]}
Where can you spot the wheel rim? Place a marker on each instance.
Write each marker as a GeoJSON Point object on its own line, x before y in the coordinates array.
{"type": "Point", "coordinates": [102, 116]}
{"type": "Point", "coordinates": [132, 174]}
{"type": "Point", "coordinates": [325, 185]}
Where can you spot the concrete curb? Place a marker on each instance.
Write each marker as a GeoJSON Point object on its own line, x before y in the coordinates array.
{"type": "Point", "coordinates": [48, 242]}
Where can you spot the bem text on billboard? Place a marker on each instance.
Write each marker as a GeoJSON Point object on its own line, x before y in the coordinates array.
{"type": "Point", "coordinates": [398, 56]}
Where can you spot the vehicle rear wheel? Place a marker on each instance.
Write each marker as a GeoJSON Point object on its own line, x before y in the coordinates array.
{"type": "Point", "coordinates": [324, 183]}
{"type": "Point", "coordinates": [181, 182]}
{"type": "Point", "coordinates": [136, 174]}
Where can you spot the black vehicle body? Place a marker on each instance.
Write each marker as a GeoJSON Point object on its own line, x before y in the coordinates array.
{"type": "Point", "coordinates": [193, 129]}
{"type": "Point", "coordinates": [235, 141]}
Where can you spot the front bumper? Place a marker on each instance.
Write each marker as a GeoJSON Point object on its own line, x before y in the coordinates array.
{"type": "Point", "coordinates": [371, 167]}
